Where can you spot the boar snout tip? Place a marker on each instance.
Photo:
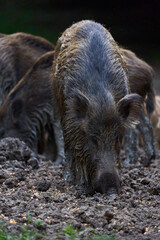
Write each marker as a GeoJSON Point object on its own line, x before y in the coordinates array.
{"type": "Point", "coordinates": [108, 183]}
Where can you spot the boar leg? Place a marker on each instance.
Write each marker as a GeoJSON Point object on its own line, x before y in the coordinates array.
{"type": "Point", "coordinates": [130, 145]}
{"type": "Point", "coordinates": [146, 130]}
{"type": "Point", "coordinates": [69, 166]}
{"type": "Point", "coordinates": [59, 142]}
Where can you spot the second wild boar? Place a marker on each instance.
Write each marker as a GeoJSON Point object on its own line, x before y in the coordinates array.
{"type": "Point", "coordinates": [155, 120]}
{"type": "Point", "coordinates": [140, 75]}
{"type": "Point", "coordinates": [29, 111]}
{"type": "Point", "coordinates": [18, 52]}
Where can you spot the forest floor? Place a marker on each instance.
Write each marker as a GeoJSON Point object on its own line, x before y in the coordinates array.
{"type": "Point", "coordinates": [34, 196]}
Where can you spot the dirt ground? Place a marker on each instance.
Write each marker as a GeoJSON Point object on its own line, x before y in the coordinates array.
{"type": "Point", "coordinates": [30, 184]}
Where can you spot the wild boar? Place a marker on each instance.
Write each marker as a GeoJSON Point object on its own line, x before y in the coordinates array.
{"type": "Point", "coordinates": [155, 120]}
{"type": "Point", "coordinates": [95, 105]}
{"type": "Point", "coordinates": [18, 52]}
{"type": "Point", "coordinates": [29, 111]}
{"type": "Point", "coordinates": [140, 76]}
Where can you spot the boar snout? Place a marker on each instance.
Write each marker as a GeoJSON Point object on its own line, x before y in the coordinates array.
{"type": "Point", "coordinates": [107, 183]}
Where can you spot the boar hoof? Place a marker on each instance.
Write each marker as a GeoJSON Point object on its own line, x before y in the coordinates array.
{"type": "Point", "coordinates": [147, 161]}
{"type": "Point", "coordinates": [60, 160]}
{"type": "Point", "coordinates": [127, 162]}
{"type": "Point", "coordinates": [68, 176]}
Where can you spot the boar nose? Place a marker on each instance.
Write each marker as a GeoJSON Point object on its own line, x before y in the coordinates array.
{"type": "Point", "coordinates": [108, 183]}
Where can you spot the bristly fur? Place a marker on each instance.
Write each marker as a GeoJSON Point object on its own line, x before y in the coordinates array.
{"type": "Point", "coordinates": [76, 54]}
{"type": "Point", "coordinates": [29, 106]}
{"type": "Point", "coordinates": [89, 80]}
{"type": "Point", "coordinates": [136, 102]}
{"type": "Point", "coordinates": [140, 76]}
{"type": "Point", "coordinates": [155, 120]}
{"type": "Point", "coordinates": [18, 52]}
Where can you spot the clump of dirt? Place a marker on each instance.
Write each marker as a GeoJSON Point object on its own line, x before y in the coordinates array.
{"type": "Point", "coordinates": [30, 184]}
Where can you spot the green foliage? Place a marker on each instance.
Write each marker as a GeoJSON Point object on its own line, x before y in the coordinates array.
{"type": "Point", "coordinates": [104, 238]}
{"type": "Point", "coordinates": [69, 233]}
{"type": "Point", "coordinates": [28, 218]}
{"type": "Point", "coordinates": [25, 234]}
{"type": "Point", "coordinates": [38, 223]}
{"type": "Point", "coordinates": [72, 233]}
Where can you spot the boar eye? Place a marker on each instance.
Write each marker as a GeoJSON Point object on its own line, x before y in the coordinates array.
{"type": "Point", "coordinates": [94, 141]}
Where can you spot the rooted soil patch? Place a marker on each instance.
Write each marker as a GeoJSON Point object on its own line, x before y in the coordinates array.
{"type": "Point", "coordinates": [30, 184]}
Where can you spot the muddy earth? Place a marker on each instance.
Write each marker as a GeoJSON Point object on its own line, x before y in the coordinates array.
{"type": "Point", "coordinates": [32, 186]}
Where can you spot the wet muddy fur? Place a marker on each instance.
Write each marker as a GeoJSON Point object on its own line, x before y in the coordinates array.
{"type": "Point", "coordinates": [92, 92]}
{"type": "Point", "coordinates": [28, 111]}
{"type": "Point", "coordinates": [18, 52]}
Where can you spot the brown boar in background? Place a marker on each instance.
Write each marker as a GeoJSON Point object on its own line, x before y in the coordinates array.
{"type": "Point", "coordinates": [155, 120]}
{"type": "Point", "coordinates": [18, 52]}
{"type": "Point", "coordinates": [29, 111]}
{"type": "Point", "coordinates": [91, 88]}
{"type": "Point", "coordinates": [140, 76]}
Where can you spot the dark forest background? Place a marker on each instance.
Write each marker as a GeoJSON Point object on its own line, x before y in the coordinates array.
{"type": "Point", "coordinates": [133, 24]}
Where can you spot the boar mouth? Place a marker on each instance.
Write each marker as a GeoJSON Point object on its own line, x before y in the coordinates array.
{"type": "Point", "coordinates": [107, 183]}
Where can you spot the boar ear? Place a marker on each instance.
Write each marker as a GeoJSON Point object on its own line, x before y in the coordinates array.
{"type": "Point", "coordinates": [80, 105]}
{"type": "Point", "coordinates": [16, 110]}
{"type": "Point", "coordinates": [130, 108]}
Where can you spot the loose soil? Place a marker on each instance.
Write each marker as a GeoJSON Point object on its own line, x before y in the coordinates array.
{"type": "Point", "coordinates": [30, 184]}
